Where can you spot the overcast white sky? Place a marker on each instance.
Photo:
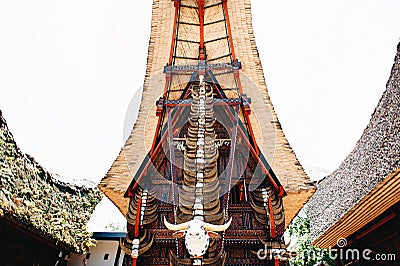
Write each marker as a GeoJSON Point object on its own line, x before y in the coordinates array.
{"type": "Point", "coordinates": [68, 70]}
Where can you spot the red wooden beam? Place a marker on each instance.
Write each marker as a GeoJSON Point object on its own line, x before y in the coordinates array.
{"type": "Point", "coordinates": [201, 21]}
{"type": "Point", "coordinates": [271, 219]}
{"type": "Point", "coordinates": [137, 222]}
{"type": "Point", "coordinates": [256, 155]}
{"type": "Point", "coordinates": [171, 53]}
{"type": "Point", "coordinates": [161, 115]}
{"type": "Point", "coordinates": [172, 155]}
{"type": "Point", "coordinates": [228, 27]}
{"type": "Point", "coordinates": [152, 157]}
{"type": "Point", "coordinates": [188, 104]}
{"type": "Point", "coordinates": [376, 226]}
{"type": "Point", "coordinates": [236, 73]}
{"type": "Point", "coordinates": [168, 76]}
{"type": "Point", "coordinates": [246, 114]}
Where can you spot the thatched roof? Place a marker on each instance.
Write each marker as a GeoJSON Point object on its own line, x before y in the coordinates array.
{"type": "Point", "coordinates": [284, 162]}
{"type": "Point", "coordinates": [373, 160]}
{"type": "Point", "coordinates": [32, 198]}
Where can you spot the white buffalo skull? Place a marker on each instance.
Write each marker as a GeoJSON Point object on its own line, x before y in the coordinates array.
{"type": "Point", "coordinates": [197, 234]}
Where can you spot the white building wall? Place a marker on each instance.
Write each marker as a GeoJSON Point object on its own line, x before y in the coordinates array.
{"type": "Point", "coordinates": [97, 255]}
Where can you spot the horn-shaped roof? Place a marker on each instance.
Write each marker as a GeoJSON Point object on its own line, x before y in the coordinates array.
{"type": "Point", "coordinates": [284, 162]}
{"type": "Point", "coordinates": [371, 169]}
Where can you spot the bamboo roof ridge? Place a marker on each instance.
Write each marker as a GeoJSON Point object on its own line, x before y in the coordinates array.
{"type": "Point", "coordinates": [32, 198]}
{"type": "Point", "coordinates": [375, 158]}
{"type": "Point", "coordinates": [284, 162]}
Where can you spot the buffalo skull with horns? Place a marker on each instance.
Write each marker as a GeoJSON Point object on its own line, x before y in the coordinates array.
{"type": "Point", "coordinates": [197, 234]}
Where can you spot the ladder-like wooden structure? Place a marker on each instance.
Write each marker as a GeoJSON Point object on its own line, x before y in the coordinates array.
{"type": "Point", "coordinates": [203, 159]}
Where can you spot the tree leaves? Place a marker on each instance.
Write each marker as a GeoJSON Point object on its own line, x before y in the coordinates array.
{"type": "Point", "coordinates": [307, 255]}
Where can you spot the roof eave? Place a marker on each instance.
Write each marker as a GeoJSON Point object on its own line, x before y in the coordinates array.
{"type": "Point", "coordinates": [371, 206]}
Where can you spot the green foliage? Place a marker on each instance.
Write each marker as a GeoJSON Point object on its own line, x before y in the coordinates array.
{"type": "Point", "coordinates": [115, 227]}
{"type": "Point", "coordinates": [307, 255]}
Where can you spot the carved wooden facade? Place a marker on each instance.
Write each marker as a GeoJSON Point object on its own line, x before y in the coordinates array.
{"type": "Point", "coordinates": [203, 160]}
